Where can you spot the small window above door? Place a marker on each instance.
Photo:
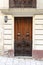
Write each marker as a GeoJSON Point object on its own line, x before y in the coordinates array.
{"type": "Point", "coordinates": [22, 3]}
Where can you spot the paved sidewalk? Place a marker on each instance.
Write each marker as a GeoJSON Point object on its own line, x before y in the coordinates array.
{"type": "Point", "coordinates": [15, 61]}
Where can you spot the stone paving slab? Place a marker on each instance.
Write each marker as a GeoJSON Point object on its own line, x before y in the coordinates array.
{"type": "Point", "coordinates": [15, 61]}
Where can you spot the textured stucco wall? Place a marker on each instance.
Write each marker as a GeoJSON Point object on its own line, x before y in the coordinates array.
{"type": "Point", "coordinates": [6, 33]}
{"type": "Point", "coordinates": [4, 4]}
{"type": "Point", "coordinates": [38, 37]}
{"type": "Point", "coordinates": [38, 32]}
{"type": "Point", "coordinates": [1, 33]}
{"type": "Point", "coordinates": [39, 4]}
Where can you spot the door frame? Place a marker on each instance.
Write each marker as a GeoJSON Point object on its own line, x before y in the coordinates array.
{"type": "Point", "coordinates": [32, 37]}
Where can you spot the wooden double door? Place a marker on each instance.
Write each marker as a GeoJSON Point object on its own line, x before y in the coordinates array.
{"type": "Point", "coordinates": [23, 36]}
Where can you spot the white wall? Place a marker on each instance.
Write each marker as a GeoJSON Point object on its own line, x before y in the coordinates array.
{"type": "Point", "coordinates": [39, 4]}
{"type": "Point", "coordinates": [38, 32]}
{"type": "Point", "coordinates": [6, 33]}
{"type": "Point", "coordinates": [4, 4]}
{"type": "Point", "coordinates": [1, 32]}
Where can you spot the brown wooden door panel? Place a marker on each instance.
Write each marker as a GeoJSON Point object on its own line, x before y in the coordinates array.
{"type": "Point", "coordinates": [23, 36]}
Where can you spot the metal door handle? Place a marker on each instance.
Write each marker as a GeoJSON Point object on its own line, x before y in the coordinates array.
{"type": "Point", "coordinates": [18, 34]}
{"type": "Point", "coordinates": [27, 34]}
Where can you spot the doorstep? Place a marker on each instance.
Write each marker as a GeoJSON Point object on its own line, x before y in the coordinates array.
{"type": "Point", "coordinates": [15, 61]}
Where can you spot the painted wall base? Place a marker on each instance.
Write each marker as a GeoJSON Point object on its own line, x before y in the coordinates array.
{"type": "Point", "coordinates": [37, 54]}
